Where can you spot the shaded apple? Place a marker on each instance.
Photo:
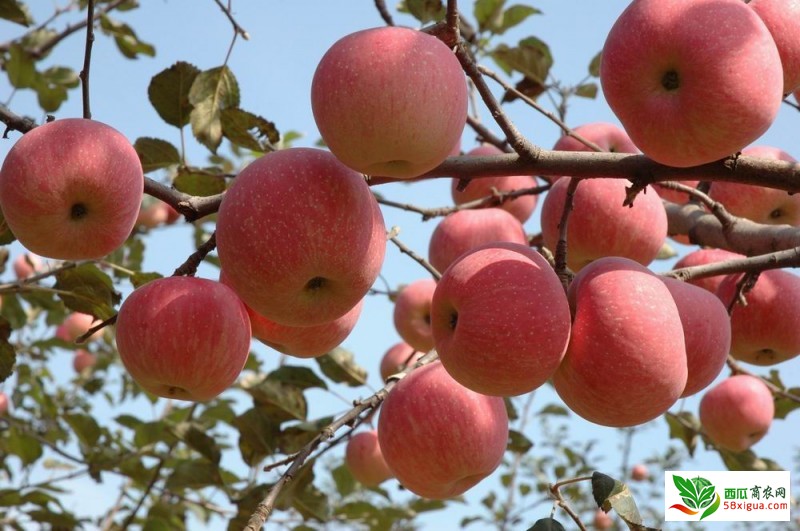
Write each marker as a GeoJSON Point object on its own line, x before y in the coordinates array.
{"type": "Point", "coordinates": [82, 360]}
{"type": "Point", "coordinates": [71, 189]}
{"type": "Point", "coordinates": [185, 338]}
{"type": "Point", "coordinates": [703, 257]}
{"type": "Point", "coordinates": [390, 101]}
{"type": "Point", "coordinates": [626, 360]}
{"type": "Point", "coordinates": [767, 330]}
{"type": "Point", "coordinates": [706, 333]}
{"type": "Point", "coordinates": [398, 357]}
{"type": "Point", "coordinates": [412, 314]}
{"type": "Point", "coordinates": [26, 265]}
{"type": "Point", "coordinates": [300, 237]}
{"type": "Point", "coordinates": [478, 188]}
{"type": "Point", "coordinates": [737, 412]}
{"type": "Point", "coordinates": [439, 438]}
{"type": "Point", "coordinates": [639, 472]}
{"type": "Point", "coordinates": [75, 325]}
{"type": "Point", "coordinates": [461, 231]}
{"type": "Point", "coordinates": [4, 404]}
{"type": "Point", "coordinates": [364, 459]}
{"type": "Point", "coordinates": [500, 320]}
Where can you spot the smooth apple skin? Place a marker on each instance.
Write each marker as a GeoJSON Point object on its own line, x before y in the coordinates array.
{"type": "Point", "coordinates": [706, 333]}
{"type": "Point", "coordinates": [767, 330]}
{"type": "Point", "coordinates": [703, 257]}
{"type": "Point", "coordinates": [75, 325]}
{"type": "Point", "coordinates": [364, 459]}
{"type": "Point", "coordinates": [782, 18]}
{"type": "Point", "coordinates": [439, 438]}
{"type": "Point", "coordinates": [687, 95]}
{"type": "Point", "coordinates": [300, 237]}
{"type": "Point", "coordinates": [464, 230]}
{"type": "Point", "coordinates": [183, 337]}
{"type": "Point", "coordinates": [626, 359]}
{"type": "Point", "coordinates": [390, 101]}
{"type": "Point", "coordinates": [501, 320]}
{"type": "Point", "coordinates": [600, 225]}
{"type": "Point", "coordinates": [758, 203]}
{"type": "Point", "coordinates": [737, 412]}
{"type": "Point", "coordinates": [71, 189]}
{"type": "Point", "coordinates": [82, 360]}
{"type": "Point", "coordinates": [398, 357]}
{"type": "Point", "coordinates": [412, 314]}
{"type": "Point", "coordinates": [521, 208]}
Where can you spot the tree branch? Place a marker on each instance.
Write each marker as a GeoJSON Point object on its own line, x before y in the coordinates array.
{"type": "Point", "coordinates": [405, 250]}
{"type": "Point", "coordinates": [236, 27]}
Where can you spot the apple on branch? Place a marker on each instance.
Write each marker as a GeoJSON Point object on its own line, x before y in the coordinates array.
{"type": "Point", "coordinates": [183, 337]}
{"type": "Point", "coordinates": [364, 459]}
{"type": "Point", "coordinates": [71, 189]}
{"type": "Point", "coordinates": [300, 236]}
{"type": "Point", "coordinates": [398, 357]}
{"type": "Point", "coordinates": [737, 412]}
{"type": "Point", "coordinates": [390, 101]}
{"type": "Point", "coordinates": [706, 256]}
{"type": "Point", "coordinates": [686, 95]}
{"type": "Point", "coordinates": [412, 314]}
{"type": "Point", "coordinates": [439, 438]}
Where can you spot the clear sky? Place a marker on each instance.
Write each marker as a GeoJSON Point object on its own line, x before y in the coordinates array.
{"type": "Point", "coordinates": [274, 70]}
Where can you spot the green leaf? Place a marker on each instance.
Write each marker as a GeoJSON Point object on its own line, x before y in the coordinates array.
{"type": "Point", "coordinates": [281, 402]}
{"type": "Point", "coordinates": [257, 435]}
{"type": "Point", "coordinates": [531, 57]}
{"type": "Point", "coordinates": [546, 524]}
{"type": "Point", "coordinates": [515, 15]}
{"type": "Point", "coordinates": [554, 409]}
{"type": "Point", "coordinates": [303, 496]}
{"type": "Point", "coordinates": [155, 153]}
{"type": "Point", "coordinates": [169, 93]}
{"type": "Point", "coordinates": [511, 410]}
{"type": "Point", "coordinates": [140, 279]}
{"type": "Point", "coordinates": [15, 12]}
{"type": "Point", "coordinates": [686, 427]}
{"type": "Point", "coordinates": [300, 377]}
{"type": "Point", "coordinates": [50, 97]}
{"type": "Point", "coordinates": [85, 428]}
{"type": "Point", "coordinates": [194, 474]}
{"type": "Point", "coordinates": [784, 405]}
{"type": "Point", "coordinates": [295, 437]}
{"type": "Point", "coordinates": [89, 289]}
{"type": "Point", "coordinates": [594, 65]}
{"type": "Point", "coordinates": [488, 13]}
{"type": "Point", "coordinates": [587, 90]}
{"type": "Point", "coordinates": [148, 433]}
{"type": "Point", "coordinates": [198, 440]}
{"type": "Point", "coordinates": [612, 494]}
{"type": "Point", "coordinates": [8, 356]}
{"type": "Point", "coordinates": [339, 365]}
{"type": "Point", "coordinates": [198, 183]}
{"type": "Point", "coordinates": [518, 443]}
{"type": "Point", "coordinates": [20, 67]}
{"type": "Point", "coordinates": [25, 447]}
{"type": "Point", "coordinates": [344, 480]}
{"type": "Point", "coordinates": [62, 76]}
{"type": "Point", "coordinates": [423, 10]}
{"type": "Point", "coordinates": [125, 38]}
{"type": "Point", "coordinates": [248, 130]}
{"type": "Point", "coordinates": [747, 461]}
{"type": "Point", "coordinates": [212, 91]}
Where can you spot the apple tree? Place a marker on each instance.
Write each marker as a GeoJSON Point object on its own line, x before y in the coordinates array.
{"type": "Point", "coordinates": [196, 294]}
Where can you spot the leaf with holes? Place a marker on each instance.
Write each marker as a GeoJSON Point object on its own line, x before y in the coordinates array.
{"type": "Point", "coordinates": [248, 130]}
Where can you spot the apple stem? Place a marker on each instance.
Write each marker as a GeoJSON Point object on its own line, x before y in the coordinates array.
{"type": "Point", "coordinates": [87, 59]}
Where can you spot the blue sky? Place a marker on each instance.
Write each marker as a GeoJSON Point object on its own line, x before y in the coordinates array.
{"type": "Point", "coordinates": [274, 70]}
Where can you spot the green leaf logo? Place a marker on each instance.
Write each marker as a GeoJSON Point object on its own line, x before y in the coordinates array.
{"type": "Point", "coordinates": [697, 493]}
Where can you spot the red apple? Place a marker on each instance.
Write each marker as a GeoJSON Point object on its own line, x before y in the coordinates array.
{"type": "Point", "coordinates": [767, 330]}
{"type": "Point", "coordinates": [626, 360]}
{"type": "Point", "coordinates": [687, 95]}
{"type": "Point", "coordinates": [183, 337]}
{"type": "Point", "coordinates": [300, 237]}
{"type": "Point", "coordinates": [4, 402]}
{"type": "Point", "coordinates": [153, 214]}
{"type": "Point", "coordinates": [607, 136]}
{"type": "Point", "coordinates": [71, 189]}
{"type": "Point", "coordinates": [639, 472]}
{"type": "Point", "coordinates": [75, 325]}
{"type": "Point", "coordinates": [364, 459]}
{"type": "Point", "coordinates": [82, 360]}
{"type": "Point", "coordinates": [737, 413]}
{"type": "Point", "coordinates": [397, 358]}
{"type": "Point", "coordinates": [439, 438]}
{"type": "Point", "coordinates": [412, 314]}
{"type": "Point", "coordinates": [703, 257]}
{"type": "Point", "coordinates": [501, 320]}
{"type": "Point", "coordinates": [782, 18]}
{"type": "Point", "coordinates": [390, 101]}
{"type": "Point", "coordinates": [464, 230]}
{"type": "Point", "coordinates": [706, 333]}
{"type": "Point", "coordinates": [26, 265]}
{"type": "Point", "coordinates": [602, 520]}
{"type": "Point", "coordinates": [758, 203]}
{"type": "Point", "coordinates": [521, 207]}
{"type": "Point", "coordinates": [600, 225]}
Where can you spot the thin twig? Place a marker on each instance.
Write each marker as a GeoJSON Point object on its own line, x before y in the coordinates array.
{"type": "Point", "coordinates": [239, 30]}
{"type": "Point", "coordinates": [555, 491]}
{"type": "Point", "coordinates": [189, 267]}
{"type": "Point", "coordinates": [776, 260]}
{"type": "Point", "coordinates": [563, 272]}
{"type": "Point", "coordinates": [87, 59]}
{"type": "Point", "coordinates": [405, 250]}
{"type": "Point", "coordinates": [733, 364]}
{"type": "Point", "coordinates": [384, 12]}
